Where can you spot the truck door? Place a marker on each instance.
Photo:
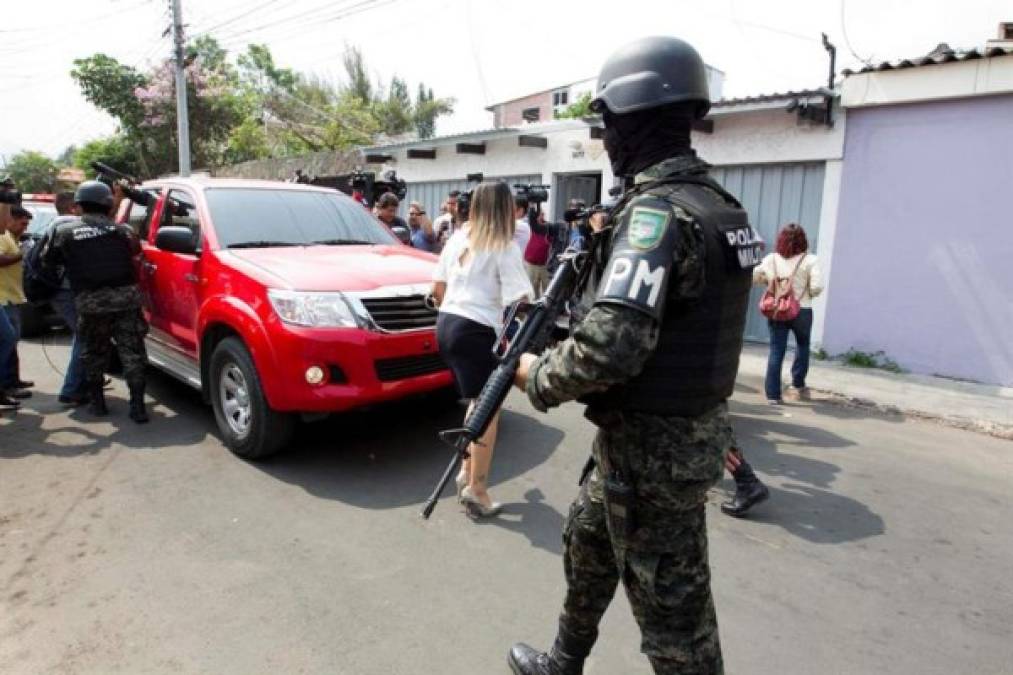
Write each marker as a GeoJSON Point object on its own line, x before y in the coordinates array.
{"type": "Point", "coordinates": [176, 288]}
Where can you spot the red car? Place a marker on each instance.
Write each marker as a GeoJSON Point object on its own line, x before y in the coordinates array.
{"type": "Point", "coordinates": [275, 299]}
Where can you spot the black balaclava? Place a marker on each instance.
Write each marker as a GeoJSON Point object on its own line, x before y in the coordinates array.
{"type": "Point", "coordinates": [640, 139]}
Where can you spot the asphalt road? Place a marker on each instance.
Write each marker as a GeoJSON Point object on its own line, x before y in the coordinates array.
{"type": "Point", "coordinates": [885, 547]}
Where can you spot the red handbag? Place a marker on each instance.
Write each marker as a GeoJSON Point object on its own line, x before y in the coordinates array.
{"type": "Point", "coordinates": [779, 302]}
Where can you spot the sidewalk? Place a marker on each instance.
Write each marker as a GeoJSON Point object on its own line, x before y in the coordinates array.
{"type": "Point", "coordinates": [978, 407]}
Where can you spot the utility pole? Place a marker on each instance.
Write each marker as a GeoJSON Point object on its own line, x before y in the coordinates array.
{"type": "Point", "coordinates": [182, 120]}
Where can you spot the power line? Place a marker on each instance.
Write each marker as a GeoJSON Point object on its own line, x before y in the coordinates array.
{"type": "Point", "coordinates": [245, 14]}
{"type": "Point", "coordinates": [847, 42]}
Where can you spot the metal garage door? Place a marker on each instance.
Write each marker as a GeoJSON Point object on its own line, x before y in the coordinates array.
{"type": "Point", "coordinates": [433, 193]}
{"type": "Point", "coordinates": [775, 195]}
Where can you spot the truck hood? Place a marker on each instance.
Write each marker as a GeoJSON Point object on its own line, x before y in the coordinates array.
{"type": "Point", "coordinates": [334, 268]}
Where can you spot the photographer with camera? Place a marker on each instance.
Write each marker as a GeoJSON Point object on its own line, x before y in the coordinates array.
{"type": "Point", "coordinates": [540, 244]}
{"type": "Point", "coordinates": [447, 224]}
{"type": "Point", "coordinates": [422, 235]}
{"type": "Point", "coordinates": [386, 211]}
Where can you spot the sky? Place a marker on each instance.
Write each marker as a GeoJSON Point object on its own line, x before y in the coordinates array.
{"type": "Point", "coordinates": [476, 51]}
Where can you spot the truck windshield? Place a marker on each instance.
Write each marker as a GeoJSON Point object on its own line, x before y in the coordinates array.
{"type": "Point", "coordinates": [254, 218]}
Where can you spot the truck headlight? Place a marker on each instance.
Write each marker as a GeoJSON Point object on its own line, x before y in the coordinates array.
{"type": "Point", "coordinates": [314, 309]}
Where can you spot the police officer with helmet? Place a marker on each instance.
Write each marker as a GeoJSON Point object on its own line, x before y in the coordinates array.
{"type": "Point", "coordinates": [654, 359]}
{"type": "Point", "coordinates": [98, 259]}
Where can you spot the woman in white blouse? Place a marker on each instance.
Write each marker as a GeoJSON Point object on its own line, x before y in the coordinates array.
{"type": "Point", "coordinates": [479, 274]}
{"type": "Point", "coordinates": [792, 262]}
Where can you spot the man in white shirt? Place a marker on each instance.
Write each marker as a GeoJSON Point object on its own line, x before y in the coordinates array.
{"type": "Point", "coordinates": [522, 231]}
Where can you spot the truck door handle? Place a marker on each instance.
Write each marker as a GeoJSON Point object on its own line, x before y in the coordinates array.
{"type": "Point", "coordinates": [192, 278]}
{"type": "Point", "coordinates": [149, 267]}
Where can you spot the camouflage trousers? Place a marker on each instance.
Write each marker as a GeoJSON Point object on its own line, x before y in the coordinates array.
{"type": "Point", "coordinates": [97, 332]}
{"type": "Point", "coordinates": [662, 559]}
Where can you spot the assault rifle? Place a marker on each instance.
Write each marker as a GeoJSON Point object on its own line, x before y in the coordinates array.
{"type": "Point", "coordinates": [111, 176]}
{"type": "Point", "coordinates": [532, 335]}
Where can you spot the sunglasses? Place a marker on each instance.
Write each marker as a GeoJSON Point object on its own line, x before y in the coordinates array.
{"type": "Point", "coordinates": [416, 213]}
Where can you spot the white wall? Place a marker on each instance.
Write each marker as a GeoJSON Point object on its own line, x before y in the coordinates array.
{"type": "Point", "coordinates": [958, 79]}
{"type": "Point", "coordinates": [569, 151]}
{"type": "Point", "coordinates": [769, 136]}
{"type": "Point", "coordinates": [827, 235]}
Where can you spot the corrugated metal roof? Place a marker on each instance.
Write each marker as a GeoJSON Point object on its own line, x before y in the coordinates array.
{"type": "Point", "coordinates": [482, 135]}
{"type": "Point", "coordinates": [766, 98]}
{"type": "Point", "coordinates": [941, 54]}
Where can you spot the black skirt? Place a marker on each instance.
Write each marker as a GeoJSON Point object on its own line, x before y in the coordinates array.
{"type": "Point", "coordinates": [466, 346]}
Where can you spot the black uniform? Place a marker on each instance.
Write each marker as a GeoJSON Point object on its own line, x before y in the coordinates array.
{"type": "Point", "coordinates": [97, 256]}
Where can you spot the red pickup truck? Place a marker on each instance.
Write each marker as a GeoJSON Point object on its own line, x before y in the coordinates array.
{"type": "Point", "coordinates": [275, 299]}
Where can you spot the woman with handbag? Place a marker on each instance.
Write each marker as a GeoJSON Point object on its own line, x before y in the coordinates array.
{"type": "Point", "coordinates": [793, 278]}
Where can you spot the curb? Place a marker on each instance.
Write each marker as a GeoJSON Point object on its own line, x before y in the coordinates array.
{"type": "Point", "coordinates": [994, 429]}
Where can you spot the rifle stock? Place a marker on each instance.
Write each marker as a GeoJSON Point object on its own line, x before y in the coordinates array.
{"type": "Point", "coordinates": [531, 336]}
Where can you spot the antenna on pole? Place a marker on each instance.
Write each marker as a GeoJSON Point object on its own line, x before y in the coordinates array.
{"type": "Point", "coordinates": [182, 120]}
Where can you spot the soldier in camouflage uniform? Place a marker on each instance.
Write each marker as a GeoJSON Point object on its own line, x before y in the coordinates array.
{"type": "Point", "coordinates": [97, 256]}
{"type": "Point", "coordinates": [654, 357]}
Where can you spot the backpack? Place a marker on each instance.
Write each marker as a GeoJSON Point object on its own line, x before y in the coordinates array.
{"type": "Point", "coordinates": [538, 249]}
{"type": "Point", "coordinates": [40, 283]}
{"type": "Point", "coordinates": [779, 302]}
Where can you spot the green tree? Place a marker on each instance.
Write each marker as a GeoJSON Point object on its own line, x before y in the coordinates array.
{"type": "Point", "coordinates": [578, 109]}
{"type": "Point", "coordinates": [32, 171]}
{"type": "Point", "coordinates": [117, 151]}
{"type": "Point", "coordinates": [144, 105]}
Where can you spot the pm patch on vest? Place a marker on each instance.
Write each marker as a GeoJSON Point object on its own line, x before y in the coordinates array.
{"type": "Point", "coordinates": [638, 270]}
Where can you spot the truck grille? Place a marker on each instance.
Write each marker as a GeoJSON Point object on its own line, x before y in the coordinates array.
{"type": "Point", "coordinates": [403, 367]}
{"type": "Point", "coordinates": [408, 312]}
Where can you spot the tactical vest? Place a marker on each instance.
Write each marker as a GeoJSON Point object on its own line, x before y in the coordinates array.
{"type": "Point", "coordinates": [97, 255]}
{"type": "Point", "coordinates": [694, 366]}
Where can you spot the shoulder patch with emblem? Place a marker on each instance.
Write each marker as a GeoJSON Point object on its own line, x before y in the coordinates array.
{"type": "Point", "coordinates": [647, 227]}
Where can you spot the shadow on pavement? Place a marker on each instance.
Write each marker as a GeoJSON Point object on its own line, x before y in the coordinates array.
{"type": "Point", "coordinates": [818, 516]}
{"type": "Point", "coordinates": [390, 456]}
{"type": "Point", "coordinates": [32, 430]}
{"type": "Point", "coordinates": [533, 518]}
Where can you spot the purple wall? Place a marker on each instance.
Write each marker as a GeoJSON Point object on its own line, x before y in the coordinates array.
{"type": "Point", "coordinates": [923, 255]}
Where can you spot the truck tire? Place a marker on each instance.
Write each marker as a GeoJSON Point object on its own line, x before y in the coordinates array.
{"type": "Point", "coordinates": [250, 428]}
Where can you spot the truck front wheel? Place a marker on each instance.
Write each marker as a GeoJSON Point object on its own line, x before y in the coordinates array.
{"type": "Point", "coordinates": [250, 428]}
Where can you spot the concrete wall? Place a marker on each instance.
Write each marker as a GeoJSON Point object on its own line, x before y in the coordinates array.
{"type": "Point", "coordinates": [326, 163]}
{"type": "Point", "coordinates": [509, 114]}
{"type": "Point", "coordinates": [923, 253]}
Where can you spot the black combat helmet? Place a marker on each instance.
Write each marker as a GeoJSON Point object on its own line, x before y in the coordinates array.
{"type": "Point", "coordinates": [94, 192]}
{"type": "Point", "coordinates": [652, 72]}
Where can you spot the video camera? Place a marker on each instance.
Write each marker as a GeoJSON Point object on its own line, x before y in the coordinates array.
{"type": "Point", "coordinates": [582, 214]}
{"type": "Point", "coordinates": [534, 194]}
{"type": "Point", "coordinates": [366, 184]}
{"type": "Point", "coordinates": [464, 199]}
{"type": "Point", "coordinates": [110, 176]}
{"type": "Point", "coordinates": [9, 194]}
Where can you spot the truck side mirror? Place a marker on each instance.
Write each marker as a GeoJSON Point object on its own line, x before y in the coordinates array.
{"type": "Point", "coordinates": [176, 239]}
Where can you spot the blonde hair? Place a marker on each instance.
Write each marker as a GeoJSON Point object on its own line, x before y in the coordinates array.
{"type": "Point", "coordinates": [491, 218]}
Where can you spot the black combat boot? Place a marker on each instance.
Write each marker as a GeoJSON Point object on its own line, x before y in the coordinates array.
{"type": "Point", "coordinates": [749, 492]}
{"type": "Point", "coordinates": [565, 658]}
{"type": "Point", "coordinates": [97, 401]}
{"type": "Point", "coordinates": [138, 413]}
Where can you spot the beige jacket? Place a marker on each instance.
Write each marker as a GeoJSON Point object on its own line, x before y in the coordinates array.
{"type": "Point", "coordinates": [808, 280]}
